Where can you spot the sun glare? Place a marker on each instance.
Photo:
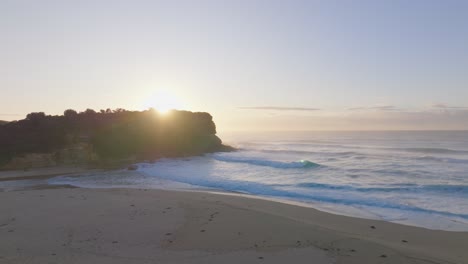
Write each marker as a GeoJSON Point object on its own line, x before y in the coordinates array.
{"type": "Point", "coordinates": [164, 101]}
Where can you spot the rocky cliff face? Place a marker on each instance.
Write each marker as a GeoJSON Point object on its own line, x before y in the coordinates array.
{"type": "Point", "coordinates": [77, 154]}
{"type": "Point", "coordinates": [83, 154]}
{"type": "Point", "coordinates": [32, 160]}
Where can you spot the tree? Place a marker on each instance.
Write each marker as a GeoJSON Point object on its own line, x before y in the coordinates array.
{"type": "Point", "coordinates": [112, 135]}
{"type": "Point", "coordinates": [89, 112]}
{"type": "Point", "coordinates": [70, 113]}
{"type": "Point", "coordinates": [36, 116]}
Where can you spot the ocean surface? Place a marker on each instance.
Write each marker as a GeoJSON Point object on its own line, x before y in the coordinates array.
{"type": "Point", "coordinates": [414, 178]}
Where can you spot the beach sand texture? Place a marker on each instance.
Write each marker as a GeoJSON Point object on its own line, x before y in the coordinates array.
{"type": "Point", "coordinates": [75, 225]}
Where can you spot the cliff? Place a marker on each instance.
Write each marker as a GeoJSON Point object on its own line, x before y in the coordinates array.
{"type": "Point", "coordinates": [105, 136]}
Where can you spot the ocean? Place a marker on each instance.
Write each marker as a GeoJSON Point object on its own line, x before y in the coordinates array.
{"type": "Point", "coordinates": [408, 177]}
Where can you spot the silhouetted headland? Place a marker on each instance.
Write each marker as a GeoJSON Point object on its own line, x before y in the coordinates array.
{"type": "Point", "coordinates": [105, 137]}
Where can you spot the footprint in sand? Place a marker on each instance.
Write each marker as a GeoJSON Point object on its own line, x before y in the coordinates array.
{"type": "Point", "coordinates": [9, 221]}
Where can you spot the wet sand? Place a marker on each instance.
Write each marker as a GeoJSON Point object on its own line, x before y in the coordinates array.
{"type": "Point", "coordinates": [63, 225]}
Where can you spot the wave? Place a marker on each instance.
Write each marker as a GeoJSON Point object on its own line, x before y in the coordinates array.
{"type": "Point", "coordinates": [431, 150]}
{"type": "Point", "coordinates": [445, 160]}
{"type": "Point", "coordinates": [356, 147]}
{"type": "Point", "coordinates": [361, 156]}
{"type": "Point", "coordinates": [289, 151]}
{"type": "Point", "coordinates": [299, 143]}
{"type": "Point", "coordinates": [255, 188]}
{"type": "Point", "coordinates": [268, 163]}
{"type": "Point", "coordinates": [397, 188]}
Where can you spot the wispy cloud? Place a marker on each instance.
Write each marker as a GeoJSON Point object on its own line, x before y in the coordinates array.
{"type": "Point", "coordinates": [279, 108]}
{"type": "Point", "coordinates": [380, 107]}
{"type": "Point", "coordinates": [444, 106]}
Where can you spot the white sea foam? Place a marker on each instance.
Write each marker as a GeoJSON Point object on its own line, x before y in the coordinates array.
{"type": "Point", "coordinates": [417, 178]}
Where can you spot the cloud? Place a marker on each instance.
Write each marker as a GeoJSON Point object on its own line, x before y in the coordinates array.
{"type": "Point", "coordinates": [363, 120]}
{"type": "Point", "coordinates": [444, 106]}
{"type": "Point", "coordinates": [279, 108]}
{"type": "Point", "coordinates": [370, 117]}
{"type": "Point", "coordinates": [380, 108]}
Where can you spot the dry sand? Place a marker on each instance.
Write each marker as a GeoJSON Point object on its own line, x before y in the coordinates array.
{"type": "Point", "coordinates": [77, 225]}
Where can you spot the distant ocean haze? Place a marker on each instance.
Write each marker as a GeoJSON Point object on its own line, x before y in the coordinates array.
{"type": "Point", "coordinates": [411, 177]}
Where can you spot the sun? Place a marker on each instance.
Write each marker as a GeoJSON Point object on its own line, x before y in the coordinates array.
{"type": "Point", "coordinates": [164, 101]}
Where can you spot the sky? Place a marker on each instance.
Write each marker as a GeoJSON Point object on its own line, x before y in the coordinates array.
{"type": "Point", "coordinates": [253, 64]}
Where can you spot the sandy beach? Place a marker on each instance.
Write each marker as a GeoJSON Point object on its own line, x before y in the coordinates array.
{"type": "Point", "coordinates": [76, 225]}
{"type": "Point", "coordinates": [234, 132]}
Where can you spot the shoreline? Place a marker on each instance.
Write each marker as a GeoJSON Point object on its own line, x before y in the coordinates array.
{"type": "Point", "coordinates": [37, 179]}
{"type": "Point", "coordinates": [123, 225]}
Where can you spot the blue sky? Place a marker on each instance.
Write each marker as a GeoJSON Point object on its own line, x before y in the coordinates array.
{"type": "Point", "coordinates": [263, 65]}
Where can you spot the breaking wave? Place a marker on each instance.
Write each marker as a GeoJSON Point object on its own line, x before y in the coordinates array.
{"type": "Point", "coordinates": [267, 163]}
{"type": "Point", "coordinates": [398, 188]}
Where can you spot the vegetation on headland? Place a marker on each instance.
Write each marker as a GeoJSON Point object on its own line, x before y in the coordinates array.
{"type": "Point", "coordinates": [105, 136]}
{"type": "Point", "coordinates": [3, 122]}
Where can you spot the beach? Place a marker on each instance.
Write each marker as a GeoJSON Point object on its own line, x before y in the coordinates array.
{"type": "Point", "coordinates": [58, 224]}
{"type": "Point", "coordinates": [234, 132]}
{"type": "Point", "coordinates": [411, 178]}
